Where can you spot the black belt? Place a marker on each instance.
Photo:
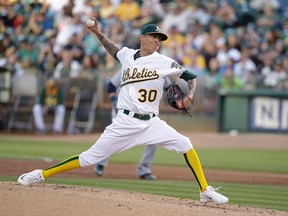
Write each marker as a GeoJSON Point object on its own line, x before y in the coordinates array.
{"type": "Point", "coordinates": [144, 117]}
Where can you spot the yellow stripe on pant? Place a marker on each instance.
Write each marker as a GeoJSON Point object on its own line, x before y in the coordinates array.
{"type": "Point", "coordinates": [194, 164]}
{"type": "Point", "coordinates": [68, 164]}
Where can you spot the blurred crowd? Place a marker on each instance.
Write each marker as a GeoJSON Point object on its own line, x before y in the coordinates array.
{"type": "Point", "coordinates": [228, 44]}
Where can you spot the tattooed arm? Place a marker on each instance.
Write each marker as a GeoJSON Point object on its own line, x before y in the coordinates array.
{"type": "Point", "coordinates": [191, 81]}
{"type": "Point", "coordinates": [189, 97]}
{"type": "Point", "coordinates": [191, 87]}
{"type": "Point", "coordinates": [110, 47]}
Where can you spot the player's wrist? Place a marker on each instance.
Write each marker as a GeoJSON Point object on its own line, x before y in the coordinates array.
{"type": "Point", "coordinates": [187, 101]}
{"type": "Point", "coordinates": [190, 96]}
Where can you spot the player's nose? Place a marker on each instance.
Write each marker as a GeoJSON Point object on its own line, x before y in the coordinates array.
{"type": "Point", "coordinates": [157, 41]}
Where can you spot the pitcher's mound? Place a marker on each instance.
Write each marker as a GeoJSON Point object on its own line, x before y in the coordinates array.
{"type": "Point", "coordinates": [48, 199]}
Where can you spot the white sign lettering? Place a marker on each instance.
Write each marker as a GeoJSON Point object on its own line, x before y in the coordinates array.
{"type": "Point", "coordinates": [266, 113]}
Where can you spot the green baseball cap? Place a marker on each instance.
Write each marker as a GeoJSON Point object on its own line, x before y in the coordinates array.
{"type": "Point", "coordinates": [153, 29]}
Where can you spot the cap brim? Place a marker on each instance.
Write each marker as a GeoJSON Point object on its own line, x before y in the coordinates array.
{"type": "Point", "coordinates": [162, 35]}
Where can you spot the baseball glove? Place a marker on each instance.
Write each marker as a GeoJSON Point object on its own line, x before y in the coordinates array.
{"type": "Point", "coordinates": [175, 97]}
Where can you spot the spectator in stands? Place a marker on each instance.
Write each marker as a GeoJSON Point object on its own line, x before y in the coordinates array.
{"type": "Point", "coordinates": [76, 47]}
{"type": "Point", "coordinates": [107, 13]}
{"type": "Point", "coordinates": [127, 11]}
{"type": "Point", "coordinates": [197, 16]}
{"type": "Point", "coordinates": [222, 54]}
{"type": "Point", "coordinates": [280, 47]}
{"type": "Point", "coordinates": [176, 16]}
{"type": "Point", "coordinates": [90, 45]}
{"type": "Point", "coordinates": [28, 51]}
{"type": "Point", "coordinates": [9, 17]}
{"type": "Point", "coordinates": [67, 68]}
{"type": "Point", "coordinates": [118, 33]}
{"type": "Point", "coordinates": [284, 32]}
{"type": "Point", "coordinates": [194, 61]}
{"type": "Point", "coordinates": [232, 40]}
{"type": "Point", "coordinates": [230, 81]}
{"type": "Point", "coordinates": [50, 102]}
{"type": "Point", "coordinates": [226, 15]}
{"type": "Point", "coordinates": [283, 83]}
{"type": "Point", "coordinates": [261, 4]}
{"type": "Point", "coordinates": [245, 68]}
{"type": "Point", "coordinates": [36, 22]}
{"type": "Point", "coordinates": [67, 25]}
{"type": "Point", "coordinates": [208, 51]}
{"type": "Point", "coordinates": [269, 18]}
{"type": "Point", "coordinates": [157, 9]}
{"type": "Point", "coordinates": [211, 38]}
{"type": "Point", "coordinates": [272, 79]}
{"type": "Point", "coordinates": [5, 43]}
{"type": "Point", "coordinates": [267, 61]}
{"type": "Point", "coordinates": [146, 16]}
{"type": "Point", "coordinates": [90, 67]}
{"type": "Point", "coordinates": [12, 62]}
{"type": "Point", "coordinates": [175, 42]}
{"type": "Point", "coordinates": [211, 78]}
{"type": "Point", "coordinates": [47, 58]}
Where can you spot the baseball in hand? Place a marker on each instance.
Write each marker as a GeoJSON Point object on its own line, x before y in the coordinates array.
{"type": "Point", "coordinates": [90, 22]}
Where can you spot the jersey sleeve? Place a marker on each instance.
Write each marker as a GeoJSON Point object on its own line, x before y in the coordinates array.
{"type": "Point", "coordinates": [175, 69]}
{"type": "Point", "coordinates": [124, 53]}
{"type": "Point", "coordinates": [171, 67]}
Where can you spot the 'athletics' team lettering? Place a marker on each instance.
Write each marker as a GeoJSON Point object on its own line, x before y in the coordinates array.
{"type": "Point", "coordinates": [136, 74]}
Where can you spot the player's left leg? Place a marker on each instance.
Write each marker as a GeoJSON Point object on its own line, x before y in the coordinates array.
{"type": "Point", "coordinates": [170, 139]}
{"type": "Point", "coordinates": [195, 166]}
{"type": "Point", "coordinates": [207, 193]}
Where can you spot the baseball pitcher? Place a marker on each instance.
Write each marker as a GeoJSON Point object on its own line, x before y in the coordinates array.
{"type": "Point", "coordinates": [137, 122]}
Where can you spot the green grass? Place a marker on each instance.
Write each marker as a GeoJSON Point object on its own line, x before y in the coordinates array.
{"type": "Point", "coordinates": [265, 196]}
{"type": "Point", "coordinates": [260, 160]}
{"type": "Point", "coordinates": [31, 149]}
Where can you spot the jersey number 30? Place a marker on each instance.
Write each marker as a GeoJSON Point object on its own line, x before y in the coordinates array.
{"type": "Point", "coordinates": [147, 95]}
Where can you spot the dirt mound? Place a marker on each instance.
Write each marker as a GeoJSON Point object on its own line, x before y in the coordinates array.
{"type": "Point", "coordinates": [45, 199]}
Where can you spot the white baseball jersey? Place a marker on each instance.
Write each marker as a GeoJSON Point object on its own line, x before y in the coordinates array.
{"type": "Point", "coordinates": [140, 93]}
{"type": "Point", "coordinates": [142, 87]}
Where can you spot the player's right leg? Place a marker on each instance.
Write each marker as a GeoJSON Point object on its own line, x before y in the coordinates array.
{"type": "Point", "coordinates": [37, 176]}
{"type": "Point", "coordinates": [102, 149]}
{"type": "Point", "coordinates": [116, 137]}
